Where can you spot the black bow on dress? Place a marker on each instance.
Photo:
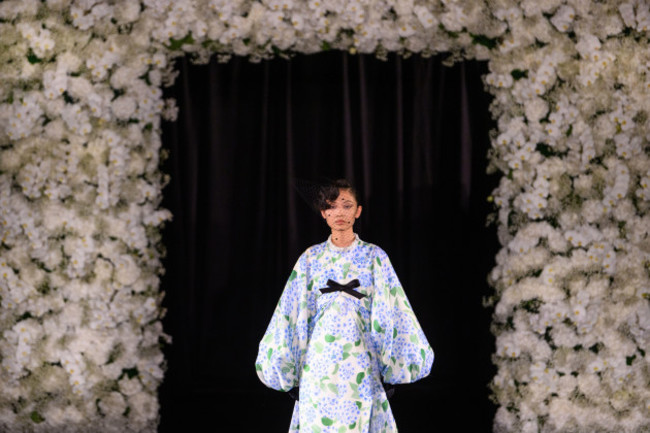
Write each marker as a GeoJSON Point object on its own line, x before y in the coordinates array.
{"type": "Point", "coordinates": [333, 286]}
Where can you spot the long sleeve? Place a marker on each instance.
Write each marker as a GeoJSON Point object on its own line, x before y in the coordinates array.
{"type": "Point", "coordinates": [281, 350]}
{"type": "Point", "coordinates": [404, 352]}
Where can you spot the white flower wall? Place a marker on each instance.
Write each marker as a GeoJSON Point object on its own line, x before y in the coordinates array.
{"type": "Point", "coordinates": [80, 188]}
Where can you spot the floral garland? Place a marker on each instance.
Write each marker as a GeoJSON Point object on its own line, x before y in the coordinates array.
{"type": "Point", "coordinates": [80, 189]}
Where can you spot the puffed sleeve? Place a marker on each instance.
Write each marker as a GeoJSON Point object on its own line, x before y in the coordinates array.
{"type": "Point", "coordinates": [404, 352]}
{"type": "Point", "coordinates": [282, 348]}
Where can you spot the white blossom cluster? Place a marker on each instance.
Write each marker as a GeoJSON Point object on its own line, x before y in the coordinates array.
{"type": "Point", "coordinates": [80, 189]}
{"type": "Point", "coordinates": [265, 28]}
{"type": "Point", "coordinates": [572, 311]}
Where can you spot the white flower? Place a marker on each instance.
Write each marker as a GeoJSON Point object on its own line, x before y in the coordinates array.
{"type": "Point", "coordinates": [112, 405]}
{"type": "Point", "coordinates": [426, 18]}
{"type": "Point", "coordinates": [563, 18]}
{"type": "Point", "coordinates": [127, 11]}
{"type": "Point", "coordinates": [130, 387]}
{"type": "Point", "coordinates": [126, 270]}
{"type": "Point", "coordinates": [144, 407]}
{"type": "Point", "coordinates": [123, 107]}
{"type": "Point", "coordinates": [454, 19]}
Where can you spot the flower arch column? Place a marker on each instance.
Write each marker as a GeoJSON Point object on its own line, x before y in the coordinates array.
{"type": "Point", "coordinates": [571, 85]}
{"type": "Point", "coordinates": [80, 189]}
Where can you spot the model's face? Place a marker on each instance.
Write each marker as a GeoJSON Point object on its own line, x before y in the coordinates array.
{"type": "Point", "coordinates": [343, 213]}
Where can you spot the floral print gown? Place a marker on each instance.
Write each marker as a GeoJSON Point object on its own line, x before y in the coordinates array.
{"type": "Point", "coordinates": [339, 349]}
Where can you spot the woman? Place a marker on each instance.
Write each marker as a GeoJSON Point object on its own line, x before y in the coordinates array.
{"type": "Point", "coordinates": [342, 328]}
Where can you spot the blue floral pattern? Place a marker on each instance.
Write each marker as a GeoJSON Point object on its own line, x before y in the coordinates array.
{"type": "Point", "coordinates": [339, 349]}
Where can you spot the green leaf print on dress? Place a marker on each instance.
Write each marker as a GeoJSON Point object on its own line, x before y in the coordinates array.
{"type": "Point", "coordinates": [341, 348]}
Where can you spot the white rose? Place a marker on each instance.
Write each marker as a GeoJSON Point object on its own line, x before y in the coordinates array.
{"type": "Point", "coordinates": [112, 405]}
{"type": "Point", "coordinates": [126, 270]}
{"type": "Point", "coordinates": [536, 108]}
{"type": "Point", "coordinates": [130, 387]}
{"type": "Point", "coordinates": [144, 406]}
{"type": "Point", "coordinates": [127, 11]}
{"type": "Point", "coordinates": [123, 107]}
{"type": "Point", "coordinates": [10, 161]}
{"type": "Point", "coordinates": [80, 87]}
{"type": "Point", "coordinates": [103, 270]}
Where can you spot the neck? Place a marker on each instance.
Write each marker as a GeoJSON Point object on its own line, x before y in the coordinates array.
{"type": "Point", "coordinates": [343, 239]}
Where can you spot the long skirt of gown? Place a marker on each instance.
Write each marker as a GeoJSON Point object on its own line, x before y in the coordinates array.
{"type": "Point", "coordinates": [340, 385]}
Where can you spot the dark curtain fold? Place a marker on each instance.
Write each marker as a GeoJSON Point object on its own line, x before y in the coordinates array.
{"type": "Point", "coordinates": [412, 135]}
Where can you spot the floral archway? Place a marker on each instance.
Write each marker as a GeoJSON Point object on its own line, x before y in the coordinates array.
{"type": "Point", "coordinates": [80, 191]}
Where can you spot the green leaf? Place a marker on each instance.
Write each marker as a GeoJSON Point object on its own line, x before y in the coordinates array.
{"type": "Point", "coordinates": [413, 338]}
{"type": "Point", "coordinates": [377, 326]}
{"type": "Point", "coordinates": [177, 44]}
{"type": "Point", "coordinates": [356, 343]}
{"type": "Point", "coordinates": [423, 354]}
{"type": "Point", "coordinates": [518, 74]}
{"type": "Point", "coordinates": [310, 285]}
{"type": "Point", "coordinates": [354, 424]}
{"type": "Point", "coordinates": [384, 405]}
{"type": "Point", "coordinates": [36, 417]}
{"type": "Point", "coordinates": [359, 404]}
{"type": "Point", "coordinates": [269, 353]}
{"type": "Point", "coordinates": [531, 305]}
{"type": "Point", "coordinates": [484, 40]}
{"type": "Point", "coordinates": [333, 388]}
{"type": "Point", "coordinates": [32, 58]}
{"type": "Point", "coordinates": [347, 346]}
{"type": "Point", "coordinates": [378, 261]}
{"type": "Point", "coordinates": [326, 421]}
{"type": "Point", "coordinates": [346, 355]}
{"type": "Point", "coordinates": [360, 377]}
{"type": "Point", "coordinates": [293, 275]}
{"type": "Point", "coordinates": [130, 372]}
{"type": "Point", "coordinates": [394, 332]}
{"type": "Point", "coordinates": [342, 429]}
{"type": "Point", "coordinates": [319, 347]}
{"type": "Point", "coordinates": [305, 368]}
{"type": "Point", "coordinates": [346, 269]}
{"type": "Point", "coordinates": [336, 368]}
{"type": "Point", "coordinates": [258, 367]}
{"type": "Point", "coordinates": [330, 338]}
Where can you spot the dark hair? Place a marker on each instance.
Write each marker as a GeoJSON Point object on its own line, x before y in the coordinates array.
{"type": "Point", "coordinates": [330, 192]}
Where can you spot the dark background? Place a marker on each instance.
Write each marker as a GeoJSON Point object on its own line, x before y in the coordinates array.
{"type": "Point", "coordinates": [412, 135]}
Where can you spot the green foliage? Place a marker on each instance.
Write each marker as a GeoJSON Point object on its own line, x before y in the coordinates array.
{"type": "Point", "coordinates": [531, 305]}
{"type": "Point", "coordinates": [32, 58]}
{"type": "Point", "coordinates": [484, 40]}
{"type": "Point", "coordinates": [36, 417]}
{"type": "Point", "coordinates": [177, 44]}
{"type": "Point", "coordinates": [518, 74]}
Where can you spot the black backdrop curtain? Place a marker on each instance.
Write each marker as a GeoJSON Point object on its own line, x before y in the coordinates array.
{"type": "Point", "coordinates": [412, 135]}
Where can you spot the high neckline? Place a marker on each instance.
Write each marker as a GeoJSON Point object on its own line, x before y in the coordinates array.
{"type": "Point", "coordinates": [333, 247]}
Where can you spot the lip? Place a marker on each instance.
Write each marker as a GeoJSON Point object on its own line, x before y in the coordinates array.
{"type": "Point", "coordinates": [340, 221]}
